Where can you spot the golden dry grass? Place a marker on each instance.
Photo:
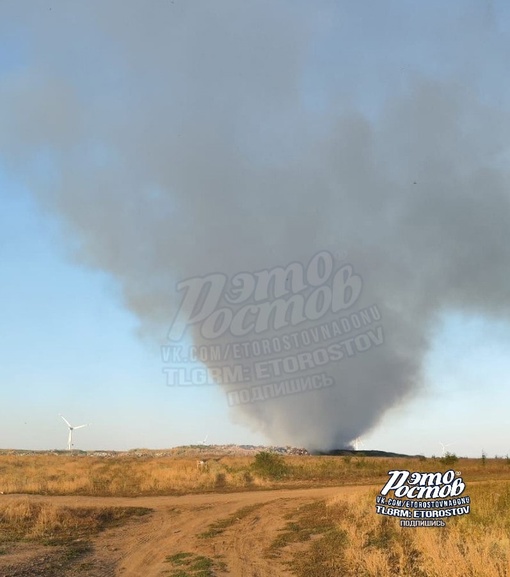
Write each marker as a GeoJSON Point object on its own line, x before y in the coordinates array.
{"type": "Point", "coordinates": [60, 474]}
{"type": "Point", "coordinates": [31, 520]}
{"type": "Point", "coordinates": [126, 476]}
{"type": "Point", "coordinates": [354, 541]}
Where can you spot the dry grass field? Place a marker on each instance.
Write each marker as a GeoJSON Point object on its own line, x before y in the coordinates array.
{"type": "Point", "coordinates": [302, 516]}
{"type": "Point", "coordinates": [352, 541]}
{"type": "Point", "coordinates": [61, 474]}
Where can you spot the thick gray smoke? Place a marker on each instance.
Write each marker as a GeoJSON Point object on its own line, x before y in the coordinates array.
{"type": "Point", "coordinates": [180, 139]}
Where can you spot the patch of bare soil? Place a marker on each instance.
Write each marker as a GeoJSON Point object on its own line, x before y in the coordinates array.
{"type": "Point", "coordinates": [143, 547]}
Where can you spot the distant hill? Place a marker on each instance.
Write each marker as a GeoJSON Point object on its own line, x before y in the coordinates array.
{"type": "Point", "coordinates": [353, 453]}
{"type": "Point", "coordinates": [201, 450]}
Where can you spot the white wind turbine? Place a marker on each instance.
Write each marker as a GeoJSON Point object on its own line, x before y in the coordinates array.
{"type": "Point", "coordinates": [205, 439]}
{"type": "Point", "coordinates": [71, 429]}
{"type": "Point", "coordinates": [443, 448]}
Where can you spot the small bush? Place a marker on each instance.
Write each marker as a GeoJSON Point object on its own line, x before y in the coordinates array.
{"type": "Point", "coordinates": [270, 466]}
{"type": "Point", "coordinates": [221, 480]}
{"type": "Point", "coordinates": [449, 459]}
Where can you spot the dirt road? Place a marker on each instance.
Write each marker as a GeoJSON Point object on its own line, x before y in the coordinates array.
{"type": "Point", "coordinates": [140, 547]}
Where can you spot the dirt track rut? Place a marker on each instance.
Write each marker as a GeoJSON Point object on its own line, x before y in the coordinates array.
{"type": "Point", "coordinates": [140, 547]}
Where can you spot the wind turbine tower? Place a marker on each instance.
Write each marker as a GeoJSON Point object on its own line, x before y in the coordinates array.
{"type": "Point", "coordinates": [443, 448]}
{"type": "Point", "coordinates": [71, 429]}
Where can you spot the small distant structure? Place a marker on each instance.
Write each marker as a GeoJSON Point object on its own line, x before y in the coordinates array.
{"type": "Point", "coordinates": [202, 464]}
{"type": "Point", "coordinates": [71, 429]}
{"type": "Point", "coordinates": [357, 444]}
{"type": "Point", "coordinates": [443, 448]}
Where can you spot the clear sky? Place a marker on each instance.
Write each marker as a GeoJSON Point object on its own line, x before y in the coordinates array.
{"type": "Point", "coordinates": [70, 345]}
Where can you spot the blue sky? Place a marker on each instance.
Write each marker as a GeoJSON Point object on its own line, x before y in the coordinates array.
{"type": "Point", "coordinates": [69, 344]}
{"type": "Point", "coordinates": [69, 347]}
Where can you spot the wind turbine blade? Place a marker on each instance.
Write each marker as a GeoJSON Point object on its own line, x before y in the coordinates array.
{"type": "Point", "coordinates": [80, 427]}
{"type": "Point", "coordinates": [65, 421]}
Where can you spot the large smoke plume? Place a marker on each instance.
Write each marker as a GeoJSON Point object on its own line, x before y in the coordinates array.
{"type": "Point", "coordinates": [179, 139]}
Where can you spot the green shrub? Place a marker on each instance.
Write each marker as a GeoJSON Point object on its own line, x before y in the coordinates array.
{"type": "Point", "coordinates": [449, 459]}
{"type": "Point", "coordinates": [221, 480]}
{"type": "Point", "coordinates": [270, 466]}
